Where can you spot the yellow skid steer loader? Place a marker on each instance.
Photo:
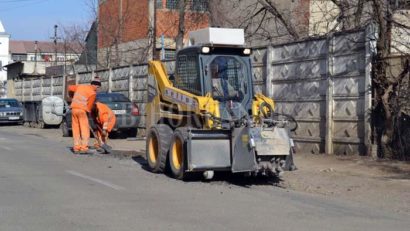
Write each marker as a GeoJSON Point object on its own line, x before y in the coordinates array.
{"type": "Point", "coordinates": [206, 117]}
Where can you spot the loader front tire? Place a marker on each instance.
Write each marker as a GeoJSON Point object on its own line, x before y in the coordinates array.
{"type": "Point", "coordinates": [177, 155]}
{"type": "Point", "coordinates": [158, 139]}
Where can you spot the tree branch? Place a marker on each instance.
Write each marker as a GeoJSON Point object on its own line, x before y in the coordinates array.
{"type": "Point", "coordinates": [271, 8]}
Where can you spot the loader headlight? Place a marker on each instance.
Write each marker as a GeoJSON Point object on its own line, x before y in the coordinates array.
{"type": "Point", "coordinates": [206, 50]}
{"type": "Point", "coordinates": [246, 51]}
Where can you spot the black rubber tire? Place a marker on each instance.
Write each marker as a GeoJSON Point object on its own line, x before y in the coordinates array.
{"type": "Point", "coordinates": [162, 133]}
{"type": "Point", "coordinates": [41, 125]}
{"type": "Point", "coordinates": [178, 173]}
{"type": "Point", "coordinates": [64, 129]}
{"type": "Point", "coordinates": [132, 132]}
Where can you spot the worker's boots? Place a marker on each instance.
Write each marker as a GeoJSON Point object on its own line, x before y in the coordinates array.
{"type": "Point", "coordinates": [100, 150]}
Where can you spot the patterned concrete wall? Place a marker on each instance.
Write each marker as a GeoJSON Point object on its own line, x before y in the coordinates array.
{"type": "Point", "coordinates": [325, 84]}
{"type": "Point", "coordinates": [258, 59]}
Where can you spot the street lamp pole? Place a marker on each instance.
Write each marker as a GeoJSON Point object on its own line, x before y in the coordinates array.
{"type": "Point", "coordinates": [55, 38]}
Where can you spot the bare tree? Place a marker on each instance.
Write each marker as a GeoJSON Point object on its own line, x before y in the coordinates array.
{"type": "Point", "coordinates": [270, 6]}
{"type": "Point", "coordinates": [385, 85]}
{"type": "Point", "coordinates": [264, 21]}
{"type": "Point", "coordinates": [220, 13]}
{"type": "Point", "coordinates": [182, 8]}
{"type": "Point", "coordinates": [356, 13]}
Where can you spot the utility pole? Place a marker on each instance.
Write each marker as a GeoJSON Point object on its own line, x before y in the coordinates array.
{"type": "Point", "coordinates": [35, 58]}
{"type": "Point", "coordinates": [55, 38]}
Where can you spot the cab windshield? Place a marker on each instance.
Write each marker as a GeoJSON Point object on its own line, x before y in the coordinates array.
{"type": "Point", "coordinates": [228, 79]}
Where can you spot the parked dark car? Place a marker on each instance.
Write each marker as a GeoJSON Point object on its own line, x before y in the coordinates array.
{"type": "Point", "coordinates": [11, 111]}
{"type": "Point", "coordinates": [126, 112]}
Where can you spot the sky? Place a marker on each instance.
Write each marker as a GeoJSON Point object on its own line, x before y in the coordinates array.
{"type": "Point", "coordinates": [35, 19]}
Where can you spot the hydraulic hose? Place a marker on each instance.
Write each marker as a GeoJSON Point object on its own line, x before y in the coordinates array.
{"type": "Point", "coordinates": [291, 120]}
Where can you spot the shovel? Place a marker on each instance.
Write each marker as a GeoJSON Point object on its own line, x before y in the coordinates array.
{"type": "Point", "coordinates": [107, 148]}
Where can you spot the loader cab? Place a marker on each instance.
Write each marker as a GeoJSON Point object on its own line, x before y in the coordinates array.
{"type": "Point", "coordinates": [224, 72]}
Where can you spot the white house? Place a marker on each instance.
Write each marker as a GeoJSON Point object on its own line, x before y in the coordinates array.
{"type": "Point", "coordinates": [4, 52]}
{"type": "Point", "coordinates": [44, 52]}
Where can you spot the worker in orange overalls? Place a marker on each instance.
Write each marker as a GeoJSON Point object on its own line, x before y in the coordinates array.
{"type": "Point", "coordinates": [81, 105]}
{"type": "Point", "coordinates": [104, 119]}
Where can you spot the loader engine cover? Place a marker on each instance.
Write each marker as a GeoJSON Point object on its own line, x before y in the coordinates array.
{"type": "Point", "coordinates": [271, 141]}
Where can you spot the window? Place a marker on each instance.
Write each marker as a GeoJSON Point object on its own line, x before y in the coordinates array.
{"type": "Point", "coordinates": [111, 97]}
{"type": "Point", "coordinates": [158, 4]}
{"type": "Point", "coordinates": [169, 54]}
{"type": "Point", "coordinates": [33, 58]}
{"type": "Point", "coordinates": [46, 58]}
{"type": "Point", "coordinates": [187, 76]}
{"type": "Point", "coordinates": [195, 5]}
{"type": "Point", "coordinates": [19, 57]}
{"type": "Point", "coordinates": [172, 4]}
{"type": "Point", "coordinates": [199, 5]}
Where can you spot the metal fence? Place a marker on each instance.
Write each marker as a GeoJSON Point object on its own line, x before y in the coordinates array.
{"type": "Point", "coordinates": [325, 83]}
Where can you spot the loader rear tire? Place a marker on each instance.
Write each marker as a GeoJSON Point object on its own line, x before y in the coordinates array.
{"type": "Point", "coordinates": [157, 146]}
{"type": "Point", "coordinates": [177, 154]}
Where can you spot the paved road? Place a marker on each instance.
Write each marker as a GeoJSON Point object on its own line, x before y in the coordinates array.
{"type": "Point", "coordinates": [44, 187]}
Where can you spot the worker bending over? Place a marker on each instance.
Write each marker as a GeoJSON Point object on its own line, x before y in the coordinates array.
{"type": "Point", "coordinates": [104, 119]}
{"type": "Point", "coordinates": [81, 105]}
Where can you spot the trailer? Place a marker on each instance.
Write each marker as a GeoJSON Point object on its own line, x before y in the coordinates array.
{"type": "Point", "coordinates": [46, 112]}
{"type": "Point", "coordinates": [40, 95]}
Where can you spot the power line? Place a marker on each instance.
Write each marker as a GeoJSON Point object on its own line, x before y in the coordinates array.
{"type": "Point", "coordinates": [23, 3]}
{"type": "Point", "coordinates": [15, 1]}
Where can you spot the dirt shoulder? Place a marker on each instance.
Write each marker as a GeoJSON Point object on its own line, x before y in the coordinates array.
{"type": "Point", "coordinates": [382, 184]}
